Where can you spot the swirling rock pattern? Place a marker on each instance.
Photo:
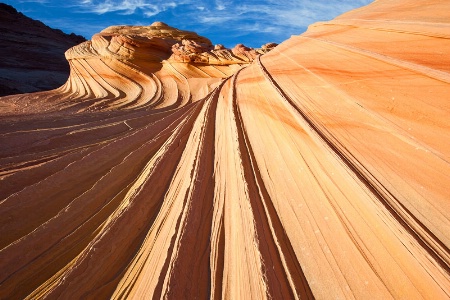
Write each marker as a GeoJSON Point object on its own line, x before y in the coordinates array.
{"type": "Point", "coordinates": [169, 168]}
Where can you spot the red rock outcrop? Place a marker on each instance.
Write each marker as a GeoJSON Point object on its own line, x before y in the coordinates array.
{"type": "Point", "coordinates": [127, 67]}
{"type": "Point", "coordinates": [319, 170]}
{"type": "Point", "coordinates": [32, 54]}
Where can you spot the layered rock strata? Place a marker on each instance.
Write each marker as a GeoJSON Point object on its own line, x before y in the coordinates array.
{"type": "Point", "coordinates": [319, 170]}
{"type": "Point", "coordinates": [128, 67]}
{"type": "Point", "coordinates": [32, 54]}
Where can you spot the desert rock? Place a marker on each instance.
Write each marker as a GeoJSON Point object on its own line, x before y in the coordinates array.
{"type": "Point", "coordinates": [32, 54]}
{"type": "Point", "coordinates": [317, 170]}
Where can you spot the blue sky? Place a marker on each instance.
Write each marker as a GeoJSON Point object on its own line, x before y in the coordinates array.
{"type": "Point", "coordinates": [227, 22]}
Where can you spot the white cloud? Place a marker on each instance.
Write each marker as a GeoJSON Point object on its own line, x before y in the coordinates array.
{"type": "Point", "coordinates": [223, 4]}
{"type": "Point", "coordinates": [297, 14]}
{"type": "Point", "coordinates": [211, 19]}
{"type": "Point", "coordinates": [277, 13]}
{"type": "Point", "coordinates": [126, 7]}
{"type": "Point", "coordinates": [271, 19]}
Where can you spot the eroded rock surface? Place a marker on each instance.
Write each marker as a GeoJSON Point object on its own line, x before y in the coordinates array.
{"type": "Point", "coordinates": [32, 54]}
{"type": "Point", "coordinates": [128, 67]}
{"type": "Point", "coordinates": [320, 169]}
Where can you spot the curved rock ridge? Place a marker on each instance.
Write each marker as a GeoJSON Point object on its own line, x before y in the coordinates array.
{"type": "Point", "coordinates": [320, 170]}
{"type": "Point", "coordinates": [129, 67]}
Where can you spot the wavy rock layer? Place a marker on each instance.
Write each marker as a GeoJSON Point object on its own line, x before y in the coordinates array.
{"type": "Point", "coordinates": [131, 67]}
{"type": "Point", "coordinates": [319, 170]}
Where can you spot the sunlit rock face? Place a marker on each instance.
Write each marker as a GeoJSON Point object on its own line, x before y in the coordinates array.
{"type": "Point", "coordinates": [128, 67]}
{"type": "Point", "coordinates": [169, 167]}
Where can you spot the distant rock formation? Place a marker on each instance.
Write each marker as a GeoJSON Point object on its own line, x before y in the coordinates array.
{"type": "Point", "coordinates": [129, 67]}
{"type": "Point", "coordinates": [32, 54]}
{"type": "Point", "coordinates": [165, 43]}
{"type": "Point", "coordinates": [169, 168]}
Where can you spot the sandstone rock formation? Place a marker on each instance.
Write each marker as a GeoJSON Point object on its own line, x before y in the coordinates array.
{"type": "Point", "coordinates": [319, 170]}
{"type": "Point", "coordinates": [128, 67]}
{"type": "Point", "coordinates": [32, 54]}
